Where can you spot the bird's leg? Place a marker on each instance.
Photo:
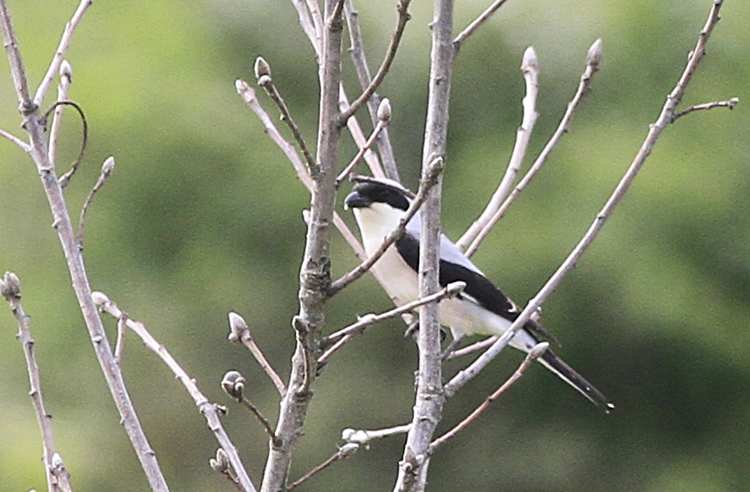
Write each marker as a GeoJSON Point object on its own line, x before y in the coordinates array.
{"type": "Point", "coordinates": [451, 347]}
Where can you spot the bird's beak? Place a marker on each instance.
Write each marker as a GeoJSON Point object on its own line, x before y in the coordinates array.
{"type": "Point", "coordinates": [355, 200]}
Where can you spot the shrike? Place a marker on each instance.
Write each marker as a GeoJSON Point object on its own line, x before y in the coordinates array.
{"type": "Point", "coordinates": [480, 309]}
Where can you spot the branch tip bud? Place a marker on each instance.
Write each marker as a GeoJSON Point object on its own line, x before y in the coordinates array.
{"type": "Point", "coordinates": [384, 110]}
{"type": "Point", "coordinates": [233, 384]}
{"type": "Point", "coordinates": [594, 56]}
{"type": "Point", "coordinates": [66, 70]}
{"type": "Point", "coordinates": [108, 166]}
{"type": "Point", "coordinates": [538, 350]}
{"type": "Point", "coordinates": [238, 327]}
{"type": "Point", "coordinates": [99, 298]}
{"type": "Point", "coordinates": [10, 286]}
{"type": "Point", "coordinates": [262, 69]}
{"type": "Point", "coordinates": [529, 61]}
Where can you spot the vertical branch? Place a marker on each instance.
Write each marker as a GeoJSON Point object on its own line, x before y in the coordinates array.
{"type": "Point", "coordinates": [315, 275]}
{"type": "Point", "coordinates": [429, 401]}
{"type": "Point", "coordinates": [74, 258]}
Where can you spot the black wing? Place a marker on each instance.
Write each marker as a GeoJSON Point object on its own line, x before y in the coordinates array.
{"type": "Point", "coordinates": [478, 286]}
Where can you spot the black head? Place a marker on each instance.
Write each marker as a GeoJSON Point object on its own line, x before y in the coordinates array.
{"type": "Point", "coordinates": [366, 193]}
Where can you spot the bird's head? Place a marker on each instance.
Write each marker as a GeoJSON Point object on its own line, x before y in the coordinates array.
{"type": "Point", "coordinates": [378, 204]}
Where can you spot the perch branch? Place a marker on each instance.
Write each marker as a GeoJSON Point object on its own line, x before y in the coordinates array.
{"type": "Point", "coordinates": [343, 336]}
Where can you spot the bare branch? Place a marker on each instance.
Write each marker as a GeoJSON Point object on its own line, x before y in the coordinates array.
{"type": "Point", "coordinates": [344, 452]}
{"type": "Point", "coordinates": [403, 18]}
{"type": "Point", "coordinates": [205, 407]}
{"type": "Point", "coordinates": [10, 289]}
{"type": "Point", "coordinates": [530, 71]}
{"type": "Point", "coordinates": [730, 104]}
{"type": "Point", "coordinates": [413, 467]}
{"type": "Point", "coordinates": [655, 129]}
{"type": "Point", "coordinates": [263, 74]}
{"type": "Point", "coordinates": [62, 48]}
{"type": "Point", "coordinates": [241, 333]}
{"type": "Point", "coordinates": [361, 436]}
{"type": "Point", "coordinates": [107, 168]}
{"type": "Point", "coordinates": [23, 145]}
{"type": "Point", "coordinates": [474, 347]}
{"type": "Point", "coordinates": [429, 180]}
{"type": "Point", "coordinates": [233, 384]}
{"type": "Point", "coordinates": [66, 78]}
{"type": "Point", "coordinates": [476, 23]}
{"type": "Point", "coordinates": [33, 125]}
{"type": "Point", "coordinates": [343, 336]}
{"type": "Point", "coordinates": [532, 356]}
{"type": "Point", "coordinates": [316, 264]}
{"type": "Point", "coordinates": [363, 74]}
{"type": "Point", "coordinates": [379, 127]}
{"type": "Point", "coordinates": [592, 66]}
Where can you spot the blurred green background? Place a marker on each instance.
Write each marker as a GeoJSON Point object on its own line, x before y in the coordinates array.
{"type": "Point", "coordinates": [203, 216]}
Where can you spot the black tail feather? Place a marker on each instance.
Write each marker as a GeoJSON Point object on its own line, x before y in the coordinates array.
{"type": "Point", "coordinates": [570, 376]}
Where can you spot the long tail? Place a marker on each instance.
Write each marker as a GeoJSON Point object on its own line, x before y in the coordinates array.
{"type": "Point", "coordinates": [570, 376]}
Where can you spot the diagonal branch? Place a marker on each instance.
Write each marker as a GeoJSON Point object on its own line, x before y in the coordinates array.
{"type": "Point", "coordinates": [429, 180]}
{"type": "Point", "coordinates": [205, 407]}
{"type": "Point", "coordinates": [10, 289]}
{"type": "Point", "coordinates": [403, 17]}
{"type": "Point", "coordinates": [593, 59]}
{"type": "Point", "coordinates": [730, 104]}
{"type": "Point", "coordinates": [476, 23]}
{"type": "Point", "coordinates": [530, 71]}
{"type": "Point", "coordinates": [655, 130]}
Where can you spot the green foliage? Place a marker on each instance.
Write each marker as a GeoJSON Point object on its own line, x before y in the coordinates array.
{"type": "Point", "coordinates": [203, 215]}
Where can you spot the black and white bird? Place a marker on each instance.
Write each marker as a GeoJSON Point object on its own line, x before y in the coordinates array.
{"type": "Point", "coordinates": [480, 309]}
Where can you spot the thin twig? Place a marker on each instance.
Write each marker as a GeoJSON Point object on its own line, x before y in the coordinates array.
{"type": "Point", "coordinates": [352, 124]}
{"type": "Point", "coordinates": [263, 74]}
{"type": "Point", "coordinates": [476, 23]}
{"type": "Point", "coordinates": [233, 384]}
{"type": "Point", "coordinates": [474, 347]}
{"type": "Point", "coordinates": [532, 356]}
{"type": "Point", "coordinates": [205, 407]}
{"type": "Point", "coordinates": [107, 168]}
{"type": "Point", "coordinates": [241, 333]}
{"type": "Point", "coordinates": [730, 104]}
{"type": "Point", "coordinates": [65, 178]}
{"type": "Point", "coordinates": [593, 59]}
{"type": "Point", "coordinates": [23, 145]}
{"type": "Point", "coordinates": [338, 339]}
{"type": "Point", "coordinates": [122, 328]}
{"type": "Point", "coordinates": [66, 78]}
{"type": "Point", "coordinates": [361, 436]}
{"type": "Point", "coordinates": [10, 289]}
{"type": "Point", "coordinates": [248, 96]}
{"type": "Point", "coordinates": [429, 180]}
{"type": "Point", "coordinates": [655, 129]}
{"type": "Point", "coordinates": [530, 71]}
{"type": "Point", "coordinates": [384, 117]}
{"type": "Point", "coordinates": [403, 17]}
{"type": "Point", "coordinates": [32, 123]}
{"type": "Point", "coordinates": [344, 452]}
{"type": "Point", "coordinates": [363, 74]}
{"type": "Point", "coordinates": [62, 48]}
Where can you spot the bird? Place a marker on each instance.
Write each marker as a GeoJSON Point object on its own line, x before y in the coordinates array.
{"type": "Point", "coordinates": [480, 308]}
